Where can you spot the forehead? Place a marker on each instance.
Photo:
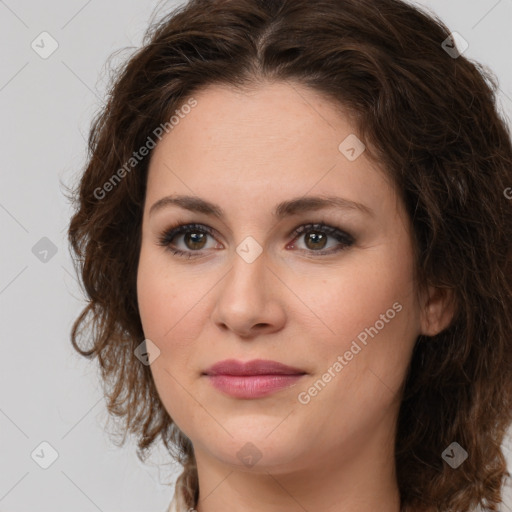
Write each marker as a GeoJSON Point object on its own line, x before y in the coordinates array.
{"type": "Point", "coordinates": [276, 120]}
{"type": "Point", "coordinates": [275, 141]}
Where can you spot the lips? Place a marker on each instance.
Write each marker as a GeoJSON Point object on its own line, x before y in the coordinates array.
{"type": "Point", "coordinates": [233, 367]}
{"type": "Point", "coordinates": [252, 380]}
{"type": "Point", "coordinates": [252, 386]}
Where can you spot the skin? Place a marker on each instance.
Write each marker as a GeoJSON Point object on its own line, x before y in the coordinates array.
{"type": "Point", "coordinates": [247, 152]}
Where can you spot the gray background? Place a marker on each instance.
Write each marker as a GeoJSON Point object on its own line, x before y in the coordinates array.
{"type": "Point", "coordinates": [47, 392]}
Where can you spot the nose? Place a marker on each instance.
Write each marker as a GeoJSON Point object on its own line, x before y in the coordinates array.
{"type": "Point", "coordinates": [249, 299]}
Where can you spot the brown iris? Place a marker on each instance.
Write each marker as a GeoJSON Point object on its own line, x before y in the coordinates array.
{"type": "Point", "coordinates": [196, 239]}
{"type": "Point", "coordinates": [318, 240]}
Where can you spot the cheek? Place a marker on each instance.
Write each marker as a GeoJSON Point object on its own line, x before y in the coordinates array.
{"type": "Point", "coordinates": [348, 299]}
{"type": "Point", "coordinates": [355, 393]}
{"type": "Point", "coordinates": [167, 299]}
{"type": "Point", "coordinates": [164, 313]}
{"type": "Point", "coordinates": [161, 305]}
{"type": "Point", "coordinates": [154, 296]}
{"type": "Point", "coordinates": [173, 309]}
{"type": "Point", "coordinates": [368, 313]}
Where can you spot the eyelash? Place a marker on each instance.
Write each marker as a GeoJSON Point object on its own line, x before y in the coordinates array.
{"type": "Point", "coordinates": [168, 235]}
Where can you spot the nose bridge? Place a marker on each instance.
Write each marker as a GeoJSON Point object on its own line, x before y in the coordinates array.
{"type": "Point", "coordinates": [245, 298]}
{"type": "Point", "coordinates": [248, 273]}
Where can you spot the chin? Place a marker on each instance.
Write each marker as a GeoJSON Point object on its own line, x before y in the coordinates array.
{"type": "Point", "coordinates": [253, 450]}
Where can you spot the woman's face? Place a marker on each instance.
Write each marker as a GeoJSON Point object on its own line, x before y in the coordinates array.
{"type": "Point", "coordinates": [337, 304]}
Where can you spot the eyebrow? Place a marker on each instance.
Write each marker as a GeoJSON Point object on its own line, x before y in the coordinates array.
{"type": "Point", "coordinates": [283, 209]}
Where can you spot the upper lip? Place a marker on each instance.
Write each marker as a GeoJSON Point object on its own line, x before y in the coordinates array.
{"type": "Point", "coordinates": [254, 367]}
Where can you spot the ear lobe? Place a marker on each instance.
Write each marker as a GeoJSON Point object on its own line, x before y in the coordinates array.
{"type": "Point", "coordinates": [438, 310]}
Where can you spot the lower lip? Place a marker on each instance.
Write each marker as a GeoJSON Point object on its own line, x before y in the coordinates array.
{"type": "Point", "coordinates": [252, 386]}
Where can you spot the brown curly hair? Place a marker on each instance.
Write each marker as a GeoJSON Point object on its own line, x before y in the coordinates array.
{"type": "Point", "coordinates": [428, 117]}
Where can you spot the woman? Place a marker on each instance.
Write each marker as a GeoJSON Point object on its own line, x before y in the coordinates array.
{"type": "Point", "coordinates": [295, 235]}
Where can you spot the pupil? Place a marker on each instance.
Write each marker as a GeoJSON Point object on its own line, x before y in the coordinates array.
{"type": "Point", "coordinates": [195, 238]}
{"type": "Point", "coordinates": [316, 238]}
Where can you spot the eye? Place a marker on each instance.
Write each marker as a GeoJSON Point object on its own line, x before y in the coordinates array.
{"type": "Point", "coordinates": [316, 238]}
{"type": "Point", "coordinates": [195, 238]}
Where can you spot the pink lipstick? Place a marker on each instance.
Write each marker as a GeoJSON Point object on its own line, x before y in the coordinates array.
{"type": "Point", "coordinates": [254, 379]}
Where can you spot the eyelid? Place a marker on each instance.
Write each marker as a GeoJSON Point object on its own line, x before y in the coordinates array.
{"type": "Point", "coordinates": [181, 227]}
{"type": "Point", "coordinates": [325, 228]}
